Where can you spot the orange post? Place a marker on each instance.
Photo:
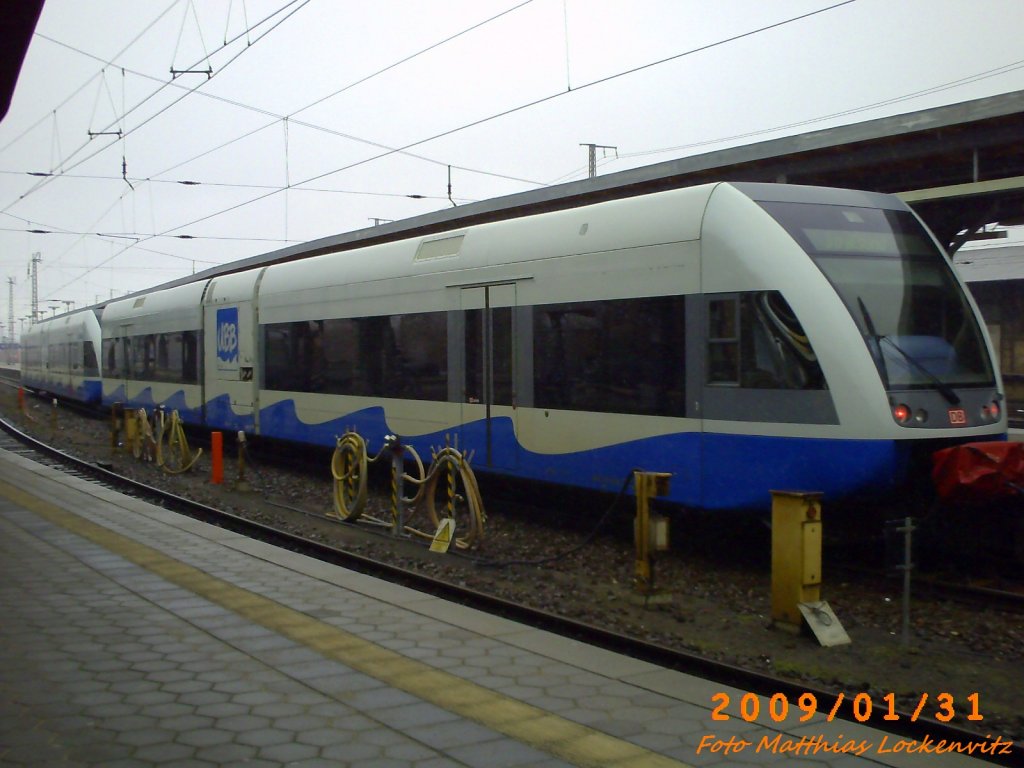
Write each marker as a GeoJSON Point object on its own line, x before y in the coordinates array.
{"type": "Point", "coordinates": [21, 399]}
{"type": "Point", "coordinates": [217, 452]}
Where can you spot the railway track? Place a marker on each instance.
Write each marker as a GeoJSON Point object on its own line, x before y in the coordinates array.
{"type": "Point", "coordinates": [906, 725]}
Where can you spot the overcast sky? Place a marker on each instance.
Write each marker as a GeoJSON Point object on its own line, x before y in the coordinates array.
{"type": "Point", "coordinates": [295, 135]}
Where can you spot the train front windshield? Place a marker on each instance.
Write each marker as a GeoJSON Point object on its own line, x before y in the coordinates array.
{"type": "Point", "coordinates": [900, 290]}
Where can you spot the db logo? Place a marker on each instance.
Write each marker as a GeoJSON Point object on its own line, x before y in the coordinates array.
{"type": "Point", "coordinates": [957, 416]}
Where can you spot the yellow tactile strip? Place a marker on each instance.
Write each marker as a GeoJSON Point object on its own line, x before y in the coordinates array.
{"type": "Point", "coordinates": [523, 722]}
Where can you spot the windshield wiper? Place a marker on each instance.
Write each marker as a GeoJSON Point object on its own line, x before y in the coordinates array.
{"type": "Point", "coordinates": [944, 389]}
{"type": "Point", "coordinates": [877, 352]}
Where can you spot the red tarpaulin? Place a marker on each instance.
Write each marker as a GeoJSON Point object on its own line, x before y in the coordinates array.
{"type": "Point", "coordinates": [979, 472]}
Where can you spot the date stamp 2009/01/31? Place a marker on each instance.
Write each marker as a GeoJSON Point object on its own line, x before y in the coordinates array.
{"type": "Point", "coordinates": [943, 707]}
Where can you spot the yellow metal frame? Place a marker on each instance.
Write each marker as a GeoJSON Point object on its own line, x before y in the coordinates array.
{"type": "Point", "coordinates": [796, 553]}
{"type": "Point", "coordinates": [647, 486]}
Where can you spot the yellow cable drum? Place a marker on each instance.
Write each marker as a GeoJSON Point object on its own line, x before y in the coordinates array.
{"type": "Point", "coordinates": [458, 498]}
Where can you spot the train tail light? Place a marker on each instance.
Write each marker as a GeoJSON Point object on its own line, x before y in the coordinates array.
{"type": "Point", "coordinates": [990, 411]}
{"type": "Point", "coordinates": [901, 413]}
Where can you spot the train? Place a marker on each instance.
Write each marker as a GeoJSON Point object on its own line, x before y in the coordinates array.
{"type": "Point", "coordinates": [744, 337]}
{"type": "Point", "coordinates": [59, 356]}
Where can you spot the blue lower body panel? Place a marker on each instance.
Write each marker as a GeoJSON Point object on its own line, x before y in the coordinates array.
{"type": "Point", "coordinates": [710, 471]}
{"type": "Point", "coordinates": [89, 391]}
{"type": "Point", "coordinates": [144, 399]}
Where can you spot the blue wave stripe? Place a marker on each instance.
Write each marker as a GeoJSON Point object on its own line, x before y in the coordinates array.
{"type": "Point", "coordinates": [736, 471]}
{"type": "Point", "coordinates": [710, 471]}
{"type": "Point", "coordinates": [145, 399]}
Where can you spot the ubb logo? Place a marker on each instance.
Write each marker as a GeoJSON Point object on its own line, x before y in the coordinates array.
{"type": "Point", "coordinates": [227, 334]}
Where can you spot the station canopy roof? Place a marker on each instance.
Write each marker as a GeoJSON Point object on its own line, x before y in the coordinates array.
{"type": "Point", "coordinates": [17, 23]}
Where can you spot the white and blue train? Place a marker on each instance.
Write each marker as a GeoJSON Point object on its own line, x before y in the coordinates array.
{"type": "Point", "coordinates": [744, 337]}
{"type": "Point", "coordinates": [59, 356]}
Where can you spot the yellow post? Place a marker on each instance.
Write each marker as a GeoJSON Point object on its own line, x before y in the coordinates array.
{"type": "Point", "coordinates": [131, 431]}
{"type": "Point", "coordinates": [796, 553]}
{"type": "Point", "coordinates": [116, 425]}
{"type": "Point", "coordinates": [647, 485]}
{"type": "Point", "coordinates": [241, 484]}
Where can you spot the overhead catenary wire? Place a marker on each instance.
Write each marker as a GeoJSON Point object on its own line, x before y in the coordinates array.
{"type": "Point", "coordinates": [302, 123]}
{"type": "Point", "coordinates": [45, 181]}
{"type": "Point", "coordinates": [190, 6]}
{"type": "Point", "coordinates": [137, 236]}
{"type": "Point", "coordinates": [390, 151]}
{"type": "Point", "coordinates": [524, 106]}
{"type": "Point", "coordinates": [504, 113]}
{"type": "Point", "coordinates": [410, 57]}
{"type": "Point", "coordinates": [194, 89]}
{"type": "Point", "coordinates": [228, 185]}
{"type": "Point", "coordinates": [86, 84]}
{"type": "Point", "coordinates": [317, 127]}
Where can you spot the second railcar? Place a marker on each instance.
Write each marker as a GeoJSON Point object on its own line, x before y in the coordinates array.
{"type": "Point", "coordinates": [152, 351]}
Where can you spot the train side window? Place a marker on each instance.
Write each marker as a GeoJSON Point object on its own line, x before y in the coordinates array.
{"type": "Point", "coordinates": [402, 356]}
{"type": "Point", "coordinates": [89, 362]}
{"type": "Point", "coordinates": [110, 369]}
{"type": "Point", "coordinates": [755, 341]}
{"type": "Point", "coordinates": [277, 357]}
{"type": "Point", "coordinates": [164, 370]}
{"type": "Point", "coordinates": [341, 358]}
{"type": "Point", "coordinates": [189, 357]}
{"type": "Point", "coordinates": [128, 353]}
{"type": "Point", "coordinates": [142, 358]}
{"type": "Point", "coordinates": [620, 356]}
{"type": "Point", "coordinates": [723, 341]}
{"type": "Point", "coordinates": [420, 361]}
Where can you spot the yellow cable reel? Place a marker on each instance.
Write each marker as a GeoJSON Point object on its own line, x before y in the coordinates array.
{"type": "Point", "coordinates": [348, 467]}
{"type": "Point", "coordinates": [143, 443]}
{"type": "Point", "coordinates": [173, 452]}
{"type": "Point", "coordinates": [465, 507]}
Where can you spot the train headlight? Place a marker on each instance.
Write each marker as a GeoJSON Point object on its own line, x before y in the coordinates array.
{"type": "Point", "coordinates": [921, 416]}
{"type": "Point", "coordinates": [990, 411]}
{"type": "Point", "coordinates": [901, 413]}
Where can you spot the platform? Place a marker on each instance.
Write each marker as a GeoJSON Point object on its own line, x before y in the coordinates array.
{"type": "Point", "coordinates": [132, 636]}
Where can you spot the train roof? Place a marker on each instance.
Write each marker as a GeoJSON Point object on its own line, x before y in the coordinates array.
{"type": "Point", "coordinates": [17, 24]}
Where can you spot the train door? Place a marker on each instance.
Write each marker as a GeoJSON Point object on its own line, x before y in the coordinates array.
{"type": "Point", "coordinates": [229, 367]}
{"type": "Point", "coordinates": [230, 329]}
{"type": "Point", "coordinates": [489, 375]}
{"type": "Point", "coordinates": [696, 319]}
{"type": "Point", "coordinates": [122, 361]}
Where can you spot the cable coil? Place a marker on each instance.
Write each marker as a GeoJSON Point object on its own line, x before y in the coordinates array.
{"type": "Point", "coordinates": [173, 452]}
{"type": "Point", "coordinates": [349, 468]}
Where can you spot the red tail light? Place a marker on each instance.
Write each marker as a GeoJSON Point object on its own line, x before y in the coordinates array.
{"type": "Point", "coordinates": [901, 413]}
